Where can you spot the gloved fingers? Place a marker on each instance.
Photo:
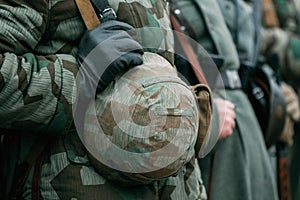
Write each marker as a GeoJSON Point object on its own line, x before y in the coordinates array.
{"type": "Point", "coordinates": [116, 46]}
{"type": "Point", "coordinates": [111, 31]}
{"type": "Point", "coordinates": [119, 28]}
{"type": "Point", "coordinates": [105, 66]}
{"type": "Point", "coordinates": [107, 51]}
{"type": "Point", "coordinates": [124, 63]}
{"type": "Point", "coordinates": [119, 67]}
{"type": "Point", "coordinates": [102, 85]}
{"type": "Point", "coordinates": [117, 35]}
{"type": "Point", "coordinates": [115, 25]}
{"type": "Point", "coordinates": [124, 43]}
{"type": "Point", "coordinates": [131, 59]}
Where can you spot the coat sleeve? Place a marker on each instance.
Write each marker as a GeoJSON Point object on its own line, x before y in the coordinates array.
{"type": "Point", "coordinates": [36, 92]}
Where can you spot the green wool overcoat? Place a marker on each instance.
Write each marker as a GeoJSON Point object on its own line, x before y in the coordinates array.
{"type": "Point", "coordinates": [239, 167]}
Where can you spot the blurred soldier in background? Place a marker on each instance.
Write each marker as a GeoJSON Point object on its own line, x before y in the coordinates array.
{"type": "Point", "coordinates": [282, 41]}
{"type": "Point", "coordinates": [239, 166]}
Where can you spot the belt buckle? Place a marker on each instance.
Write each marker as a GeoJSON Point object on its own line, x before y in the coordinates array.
{"type": "Point", "coordinates": [233, 79]}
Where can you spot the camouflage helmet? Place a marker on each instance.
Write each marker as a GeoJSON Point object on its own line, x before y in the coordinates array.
{"type": "Point", "coordinates": [144, 126]}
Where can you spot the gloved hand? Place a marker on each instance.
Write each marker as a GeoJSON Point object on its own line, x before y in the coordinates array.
{"type": "Point", "coordinates": [105, 52]}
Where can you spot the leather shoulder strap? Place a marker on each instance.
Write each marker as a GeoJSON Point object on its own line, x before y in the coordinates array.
{"type": "Point", "coordinates": [269, 14]}
{"type": "Point", "coordinates": [189, 51]}
{"type": "Point", "coordinates": [88, 13]}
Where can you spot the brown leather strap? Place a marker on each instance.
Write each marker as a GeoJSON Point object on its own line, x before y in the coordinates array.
{"type": "Point", "coordinates": [189, 51]}
{"type": "Point", "coordinates": [269, 14]}
{"type": "Point", "coordinates": [283, 177]}
{"type": "Point", "coordinates": [88, 13]}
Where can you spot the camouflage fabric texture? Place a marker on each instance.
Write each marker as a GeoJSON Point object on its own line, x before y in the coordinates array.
{"type": "Point", "coordinates": [68, 173]}
{"type": "Point", "coordinates": [54, 39]}
{"type": "Point", "coordinates": [144, 126]}
{"type": "Point", "coordinates": [38, 88]}
{"type": "Point", "coordinates": [37, 76]}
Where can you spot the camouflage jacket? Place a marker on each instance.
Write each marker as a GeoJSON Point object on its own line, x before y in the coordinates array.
{"type": "Point", "coordinates": [37, 79]}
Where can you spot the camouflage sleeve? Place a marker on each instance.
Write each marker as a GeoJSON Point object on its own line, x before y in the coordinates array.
{"type": "Point", "coordinates": [21, 27]}
{"type": "Point", "coordinates": [286, 46]}
{"type": "Point", "coordinates": [36, 92]}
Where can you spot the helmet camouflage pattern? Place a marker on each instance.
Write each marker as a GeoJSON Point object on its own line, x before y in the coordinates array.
{"type": "Point", "coordinates": [144, 126]}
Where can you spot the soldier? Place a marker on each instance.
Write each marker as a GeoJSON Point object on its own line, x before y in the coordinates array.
{"type": "Point", "coordinates": [239, 167]}
{"type": "Point", "coordinates": [42, 155]}
{"type": "Point", "coordinates": [281, 38]}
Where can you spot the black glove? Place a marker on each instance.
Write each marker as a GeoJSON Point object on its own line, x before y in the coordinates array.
{"type": "Point", "coordinates": [104, 52]}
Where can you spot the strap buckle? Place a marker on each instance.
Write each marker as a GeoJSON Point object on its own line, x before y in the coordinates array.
{"type": "Point", "coordinates": [107, 14]}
